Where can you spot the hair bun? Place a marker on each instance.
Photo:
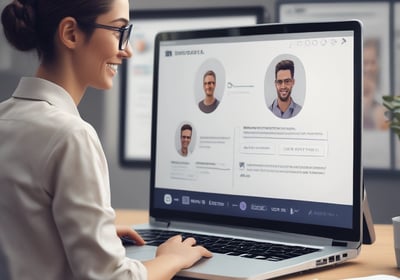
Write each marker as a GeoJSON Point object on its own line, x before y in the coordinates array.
{"type": "Point", "coordinates": [18, 19]}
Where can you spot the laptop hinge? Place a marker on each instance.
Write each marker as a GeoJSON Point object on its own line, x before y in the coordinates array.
{"type": "Point", "coordinates": [161, 223]}
{"type": "Point", "coordinates": [339, 243]}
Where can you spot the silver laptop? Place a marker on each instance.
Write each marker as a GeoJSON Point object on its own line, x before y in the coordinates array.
{"type": "Point", "coordinates": [257, 141]}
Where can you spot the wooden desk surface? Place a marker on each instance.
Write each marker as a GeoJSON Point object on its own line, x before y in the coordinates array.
{"type": "Point", "coordinates": [377, 258]}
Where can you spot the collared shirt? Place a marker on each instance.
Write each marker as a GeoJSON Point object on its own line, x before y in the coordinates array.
{"type": "Point", "coordinates": [56, 219]}
{"type": "Point", "coordinates": [291, 111]}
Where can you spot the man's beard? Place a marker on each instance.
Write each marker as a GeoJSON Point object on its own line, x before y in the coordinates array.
{"type": "Point", "coordinates": [285, 98]}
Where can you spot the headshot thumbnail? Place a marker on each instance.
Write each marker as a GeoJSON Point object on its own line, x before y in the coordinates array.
{"type": "Point", "coordinates": [284, 97]}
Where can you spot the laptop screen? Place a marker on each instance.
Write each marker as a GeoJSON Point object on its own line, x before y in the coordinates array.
{"type": "Point", "coordinates": [259, 126]}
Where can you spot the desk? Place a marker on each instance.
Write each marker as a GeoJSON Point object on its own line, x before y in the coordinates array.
{"type": "Point", "coordinates": [377, 258]}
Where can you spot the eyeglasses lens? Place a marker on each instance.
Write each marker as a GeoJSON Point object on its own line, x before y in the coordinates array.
{"type": "Point", "coordinates": [126, 33]}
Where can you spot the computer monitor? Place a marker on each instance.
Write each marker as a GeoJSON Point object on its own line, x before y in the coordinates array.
{"type": "Point", "coordinates": [137, 73]}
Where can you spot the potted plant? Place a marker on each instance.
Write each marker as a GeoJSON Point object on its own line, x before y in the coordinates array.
{"type": "Point", "coordinates": [392, 104]}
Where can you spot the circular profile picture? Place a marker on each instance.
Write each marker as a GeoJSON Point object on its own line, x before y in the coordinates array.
{"type": "Point", "coordinates": [209, 85]}
{"type": "Point", "coordinates": [185, 139]}
{"type": "Point", "coordinates": [285, 86]}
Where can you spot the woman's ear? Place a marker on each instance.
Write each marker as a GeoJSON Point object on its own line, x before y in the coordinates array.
{"type": "Point", "coordinates": [69, 33]}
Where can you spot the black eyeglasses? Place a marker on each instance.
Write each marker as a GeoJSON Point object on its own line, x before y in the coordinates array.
{"type": "Point", "coordinates": [211, 83]}
{"type": "Point", "coordinates": [286, 82]}
{"type": "Point", "coordinates": [125, 33]}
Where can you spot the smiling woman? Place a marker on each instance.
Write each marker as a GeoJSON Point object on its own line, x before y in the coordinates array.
{"type": "Point", "coordinates": [53, 173]}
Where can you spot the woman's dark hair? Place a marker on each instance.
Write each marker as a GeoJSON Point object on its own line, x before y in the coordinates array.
{"type": "Point", "coordinates": [32, 24]}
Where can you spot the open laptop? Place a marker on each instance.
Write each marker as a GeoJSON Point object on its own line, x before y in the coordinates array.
{"type": "Point", "coordinates": [246, 173]}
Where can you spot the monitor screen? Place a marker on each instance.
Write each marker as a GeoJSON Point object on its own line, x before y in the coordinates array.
{"type": "Point", "coordinates": [137, 73]}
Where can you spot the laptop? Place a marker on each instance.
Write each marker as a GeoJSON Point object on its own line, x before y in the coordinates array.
{"type": "Point", "coordinates": [274, 161]}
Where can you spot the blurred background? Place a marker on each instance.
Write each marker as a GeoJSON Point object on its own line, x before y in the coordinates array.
{"type": "Point", "coordinates": [129, 166]}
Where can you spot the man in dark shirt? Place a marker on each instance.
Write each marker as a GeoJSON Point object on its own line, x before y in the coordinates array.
{"type": "Point", "coordinates": [209, 103]}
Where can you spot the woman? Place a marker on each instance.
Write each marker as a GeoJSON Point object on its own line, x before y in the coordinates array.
{"type": "Point", "coordinates": [56, 219]}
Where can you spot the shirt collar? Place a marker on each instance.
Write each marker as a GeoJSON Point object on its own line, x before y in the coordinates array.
{"type": "Point", "coordinates": [33, 88]}
{"type": "Point", "coordinates": [291, 105]}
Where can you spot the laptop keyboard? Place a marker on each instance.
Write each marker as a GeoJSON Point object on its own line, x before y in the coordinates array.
{"type": "Point", "coordinates": [231, 246]}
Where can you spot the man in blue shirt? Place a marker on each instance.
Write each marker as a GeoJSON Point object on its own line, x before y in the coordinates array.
{"type": "Point", "coordinates": [284, 106]}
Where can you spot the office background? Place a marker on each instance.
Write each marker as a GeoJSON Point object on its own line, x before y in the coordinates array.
{"type": "Point", "coordinates": [130, 185]}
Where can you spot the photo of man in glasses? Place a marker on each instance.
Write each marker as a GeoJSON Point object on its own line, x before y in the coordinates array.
{"type": "Point", "coordinates": [186, 138]}
{"type": "Point", "coordinates": [209, 103]}
{"type": "Point", "coordinates": [284, 106]}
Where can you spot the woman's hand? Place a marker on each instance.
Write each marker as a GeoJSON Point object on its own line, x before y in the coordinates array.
{"type": "Point", "coordinates": [174, 255]}
{"type": "Point", "coordinates": [130, 233]}
{"type": "Point", "coordinates": [185, 250]}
